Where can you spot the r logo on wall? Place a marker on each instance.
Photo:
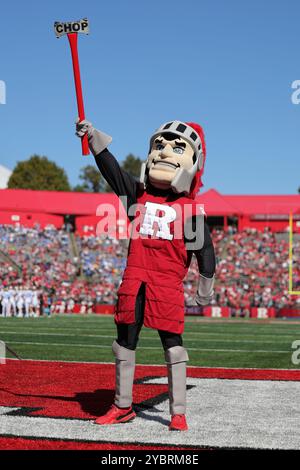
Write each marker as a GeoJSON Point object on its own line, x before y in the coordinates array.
{"type": "Point", "coordinates": [2, 92]}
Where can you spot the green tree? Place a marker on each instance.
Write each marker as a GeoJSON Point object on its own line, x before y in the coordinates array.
{"type": "Point", "coordinates": [39, 173]}
{"type": "Point", "coordinates": [107, 188]}
{"type": "Point", "coordinates": [79, 188]}
{"type": "Point", "coordinates": [92, 180]}
{"type": "Point", "coordinates": [132, 165]}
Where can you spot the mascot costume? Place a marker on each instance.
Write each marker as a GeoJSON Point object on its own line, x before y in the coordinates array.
{"type": "Point", "coordinates": [151, 292]}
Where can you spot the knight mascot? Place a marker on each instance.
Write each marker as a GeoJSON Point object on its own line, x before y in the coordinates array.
{"type": "Point", "coordinates": [172, 228]}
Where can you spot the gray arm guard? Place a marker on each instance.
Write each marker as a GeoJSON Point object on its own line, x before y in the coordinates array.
{"type": "Point", "coordinates": [205, 291]}
{"type": "Point", "coordinates": [98, 140]}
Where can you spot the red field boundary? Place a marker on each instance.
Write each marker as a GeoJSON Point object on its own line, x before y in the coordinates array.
{"type": "Point", "coordinates": [19, 443]}
{"type": "Point", "coordinates": [85, 390]}
{"type": "Point", "coordinates": [13, 366]}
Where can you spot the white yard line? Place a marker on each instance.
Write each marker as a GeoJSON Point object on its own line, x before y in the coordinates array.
{"type": "Point", "coordinates": [155, 365]}
{"type": "Point", "coordinates": [186, 339]}
{"type": "Point", "coordinates": [152, 332]}
{"type": "Point", "coordinates": [98, 346]}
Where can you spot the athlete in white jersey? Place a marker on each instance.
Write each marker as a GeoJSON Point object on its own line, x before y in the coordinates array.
{"type": "Point", "coordinates": [12, 303]}
{"type": "Point", "coordinates": [28, 297]}
{"type": "Point", "coordinates": [35, 303]}
{"type": "Point", "coordinates": [20, 304]}
{"type": "Point", "coordinates": [5, 302]}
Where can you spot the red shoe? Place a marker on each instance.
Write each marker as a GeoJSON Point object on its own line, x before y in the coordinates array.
{"type": "Point", "coordinates": [178, 423]}
{"type": "Point", "coordinates": [116, 415]}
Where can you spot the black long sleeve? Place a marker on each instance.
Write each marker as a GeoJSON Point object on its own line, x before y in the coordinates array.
{"type": "Point", "coordinates": [206, 255]}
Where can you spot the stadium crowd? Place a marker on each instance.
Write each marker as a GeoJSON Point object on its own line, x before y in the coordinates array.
{"type": "Point", "coordinates": [252, 270]}
{"type": "Point", "coordinates": [40, 265]}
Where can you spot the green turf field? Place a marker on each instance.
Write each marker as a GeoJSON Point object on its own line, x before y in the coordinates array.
{"type": "Point", "coordinates": [209, 342]}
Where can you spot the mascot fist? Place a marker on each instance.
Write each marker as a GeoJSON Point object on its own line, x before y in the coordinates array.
{"type": "Point", "coordinates": [98, 141]}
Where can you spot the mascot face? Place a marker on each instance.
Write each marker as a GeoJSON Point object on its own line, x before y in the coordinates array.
{"type": "Point", "coordinates": [168, 154]}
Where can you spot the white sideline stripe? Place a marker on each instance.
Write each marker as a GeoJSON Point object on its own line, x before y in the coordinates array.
{"type": "Point", "coordinates": [158, 365]}
{"type": "Point", "coordinates": [186, 333]}
{"type": "Point", "coordinates": [148, 347]}
{"type": "Point", "coordinates": [143, 337]}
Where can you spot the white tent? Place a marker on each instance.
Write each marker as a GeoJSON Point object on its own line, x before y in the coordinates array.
{"type": "Point", "coordinates": [4, 176]}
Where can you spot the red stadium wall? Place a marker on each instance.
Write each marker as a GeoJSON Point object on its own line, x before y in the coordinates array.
{"type": "Point", "coordinates": [274, 225]}
{"type": "Point", "coordinates": [289, 313]}
{"type": "Point", "coordinates": [209, 311]}
{"type": "Point", "coordinates": [90, 224]}
{"type": "Point", "coordinates": [50, 207]}
{"type": "Point", "coordinates": [103, 309]}
{"type": "Point", "coordinates": [29, 219]}
{"type": "Point", "coordinates": [262, 312]}
{"type": "Point", "coordinates": [216, 312]}
{"type": "Point", "coordinates": [86, 224]}
{"type": "Point", "coordinates": [226, 312]}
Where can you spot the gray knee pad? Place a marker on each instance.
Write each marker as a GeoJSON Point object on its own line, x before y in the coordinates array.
{"type": "Point", "coordinates": [176, 355]}
{"type": "Point", "coordinates": [176, 359]}
{"type": "Point", "coordinates": [125, 367]}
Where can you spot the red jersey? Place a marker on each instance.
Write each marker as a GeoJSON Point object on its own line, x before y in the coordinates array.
{"type": "Point", "coordinates": [157, 257]}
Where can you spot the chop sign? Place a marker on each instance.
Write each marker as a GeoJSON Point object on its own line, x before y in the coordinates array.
{"type": "Point", "coordinates": [81, 26]}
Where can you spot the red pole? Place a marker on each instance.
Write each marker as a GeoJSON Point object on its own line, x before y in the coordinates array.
{"type": "Point", "coordinates": [225, 223]}
{"type": "Point", "coordinates": [74, 51]}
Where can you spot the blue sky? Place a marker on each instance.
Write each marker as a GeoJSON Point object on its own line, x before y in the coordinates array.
{"type": "Point", "coordinates": [228, 65]}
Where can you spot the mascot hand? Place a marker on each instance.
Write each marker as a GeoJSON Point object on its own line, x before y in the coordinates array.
{"type": "Point", "coordinates": [98, 141]}
{"type": "Point", "coordinates": [83, 127]}
{"type": "Point", "coordinates": [205, 291]}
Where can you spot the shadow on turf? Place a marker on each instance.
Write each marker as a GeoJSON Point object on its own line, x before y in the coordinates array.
{"type": "Point", "coordinates": [93, 403]}
{"type": "Point", "coordinates": [98, 403]}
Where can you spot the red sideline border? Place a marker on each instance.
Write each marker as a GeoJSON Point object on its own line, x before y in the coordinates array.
{"type": "Point", "coordinates": [21, 443]}
{"type": "Point", "coordinates": [192, 371]}
{"type": "Point", "coordinates": [30, 443]}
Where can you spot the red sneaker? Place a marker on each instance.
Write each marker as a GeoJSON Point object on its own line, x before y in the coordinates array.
{"type": "Point", "coordinates": [116, 415]}
{"type": "Point", "coordinates": [178, 423]}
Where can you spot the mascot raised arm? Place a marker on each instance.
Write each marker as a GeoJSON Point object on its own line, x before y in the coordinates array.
{"type": "Point", "coordinates": [171, 229]}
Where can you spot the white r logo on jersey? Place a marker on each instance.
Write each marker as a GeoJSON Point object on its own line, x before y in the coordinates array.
{"type": "Point", "coordinates": [162, 222]}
